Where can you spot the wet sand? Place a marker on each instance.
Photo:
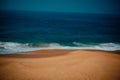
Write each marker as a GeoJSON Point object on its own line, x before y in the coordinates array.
{"type": "Point", "coordinates": [60, 65]}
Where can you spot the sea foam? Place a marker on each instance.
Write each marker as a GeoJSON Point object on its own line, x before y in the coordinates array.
{"type": "Point", "coordinates": [13, 47]}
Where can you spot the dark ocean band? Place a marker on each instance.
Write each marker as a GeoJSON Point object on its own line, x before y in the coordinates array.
{"type": "Point", "coordinates": [25, 30]}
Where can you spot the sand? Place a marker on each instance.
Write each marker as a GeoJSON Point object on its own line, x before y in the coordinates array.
{"type": "Point", "coordinates": [60, 65]}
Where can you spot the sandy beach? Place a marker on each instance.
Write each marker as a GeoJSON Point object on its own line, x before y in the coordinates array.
{"type": "Point", "coordinates": [60, 65]}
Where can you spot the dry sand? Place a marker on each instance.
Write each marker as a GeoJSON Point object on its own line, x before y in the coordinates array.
{"type": "Point", "coordinates": [60, 65]}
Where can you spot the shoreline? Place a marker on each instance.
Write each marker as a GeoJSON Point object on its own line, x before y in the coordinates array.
{"type": "Point", "coordinates": [50, 53]}
{"type": "Point", "coordinates": [61, 65]}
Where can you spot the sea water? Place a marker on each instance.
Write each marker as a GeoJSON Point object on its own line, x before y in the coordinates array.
{"type": "Point", "coordinates": [26, 31]}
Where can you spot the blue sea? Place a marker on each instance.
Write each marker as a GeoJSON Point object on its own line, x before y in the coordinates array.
{"type": "Point", "coordinates": [29, 30]}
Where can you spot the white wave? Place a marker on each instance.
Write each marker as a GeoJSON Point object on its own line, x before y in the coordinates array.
{"type": "Point", "coordinates": [12, 47]}
{"type": "Point", "coordinates": [101, 46]}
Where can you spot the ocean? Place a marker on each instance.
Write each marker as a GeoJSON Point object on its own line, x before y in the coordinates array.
{"type": "Point", "coordinates": [28, 30]}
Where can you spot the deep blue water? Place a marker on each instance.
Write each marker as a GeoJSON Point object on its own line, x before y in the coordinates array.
{"type": "Point", "coordinates": [67, 29]}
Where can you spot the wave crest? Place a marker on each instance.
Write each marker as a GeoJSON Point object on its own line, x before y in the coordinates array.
{"type": "Point", "coordinates": [13, 47]}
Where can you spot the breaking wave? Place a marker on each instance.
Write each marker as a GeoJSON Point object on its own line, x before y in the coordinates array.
{"type": "Point", "coordinates": [13, 47]}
